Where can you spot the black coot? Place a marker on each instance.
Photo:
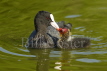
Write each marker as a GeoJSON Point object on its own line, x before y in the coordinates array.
{"type": "Point", "coordinates": [39, 37]}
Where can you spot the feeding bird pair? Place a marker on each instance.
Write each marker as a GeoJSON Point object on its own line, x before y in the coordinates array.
{"type": "Point", "coordinates": [49, 34]}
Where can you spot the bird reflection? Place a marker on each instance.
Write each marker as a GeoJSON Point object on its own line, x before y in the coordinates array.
{"type": "Point", "coordinates": [44, 61]}
{"type": "Point", "coordinates": [65, 61]}
{"type": "Point", "coordinates": [42, 56]}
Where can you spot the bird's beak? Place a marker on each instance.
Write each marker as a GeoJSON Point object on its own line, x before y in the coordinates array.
{"type": "Point", "coordinates": [53, 23]}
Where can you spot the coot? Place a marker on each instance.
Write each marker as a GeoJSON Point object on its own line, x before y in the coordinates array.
{"type": "Point", "coordinates": [68, 42]}
{"type": "Point", "coordinates": [39, 37]}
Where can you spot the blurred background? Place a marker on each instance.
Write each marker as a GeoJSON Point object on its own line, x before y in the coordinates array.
{"type": "Point", "coordinates": [88, 17]}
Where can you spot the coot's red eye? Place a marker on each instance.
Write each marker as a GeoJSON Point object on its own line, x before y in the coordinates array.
{"type": "Point", "coordinates": [47, 18]}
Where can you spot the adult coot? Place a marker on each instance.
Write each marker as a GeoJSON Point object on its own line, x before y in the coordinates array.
{"type": "Point", "coordinates": [39, 37]}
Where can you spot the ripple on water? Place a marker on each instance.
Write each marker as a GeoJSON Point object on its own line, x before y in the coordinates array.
{"type": "Point", "coordinates": [97, 38]}
{"type": "Point", "coordinates": [90, 52]}
{"type": "Point", "coordinates": [23, 50]}
{"type": "Point", "coordinates": [79, 27]}
{"type": "Point", "coordinates": [72, 16]}
{"type": "Point", "coordinates": [88, 60]}
{"type": "Point", "coordinates": [82, 28]}
{"type": "Point", "coordinates": [12, 53]}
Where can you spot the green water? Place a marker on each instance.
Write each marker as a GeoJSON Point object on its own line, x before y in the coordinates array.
{"type": "Point", "coordinates": [89, 19]}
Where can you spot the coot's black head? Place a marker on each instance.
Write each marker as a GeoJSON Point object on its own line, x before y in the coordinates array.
{"type": "Point", "coordinates": [43, 19]}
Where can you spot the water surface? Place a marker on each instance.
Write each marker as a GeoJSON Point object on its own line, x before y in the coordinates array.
{"type": "Point", "coordinates": [88, 19]}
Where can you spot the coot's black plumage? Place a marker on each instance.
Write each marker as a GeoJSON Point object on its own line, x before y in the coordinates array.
{"type": "Point", "coordinates": [45, 34]}
{"type": "Point", "coordinates": [39, 37]}
{"type": "Point", "coordinates": [52, 32]}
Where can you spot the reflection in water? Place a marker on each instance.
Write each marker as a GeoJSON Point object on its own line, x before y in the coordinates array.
{"type": "Point", "coordinates": [64, 61]}
{"type": "Point", "coordinates": [43, 59]}
{"type": "Point", "coordinates": [42, 56]}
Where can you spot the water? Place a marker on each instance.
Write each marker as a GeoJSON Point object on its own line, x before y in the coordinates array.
{"type": "Point", "coordinates": [88, 19]}
{"type": "Point", "coordinates": [72, 16]}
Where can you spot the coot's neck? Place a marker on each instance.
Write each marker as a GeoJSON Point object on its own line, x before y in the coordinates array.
{"type": "Point", "coordinates": [41, 29]}
{"type": "Point", "coordinates": [40, 26]}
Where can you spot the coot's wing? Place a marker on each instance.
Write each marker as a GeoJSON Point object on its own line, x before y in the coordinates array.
{"type": "Point", "coordinates": [29, 41]}
{"type": "Point", "coordinates": [32, 34]}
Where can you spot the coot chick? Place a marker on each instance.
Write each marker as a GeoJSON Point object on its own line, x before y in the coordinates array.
{"type": "Point", "coordinates": [69, 42]}
{"type": "Point", "coordinates": [39, 38]}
